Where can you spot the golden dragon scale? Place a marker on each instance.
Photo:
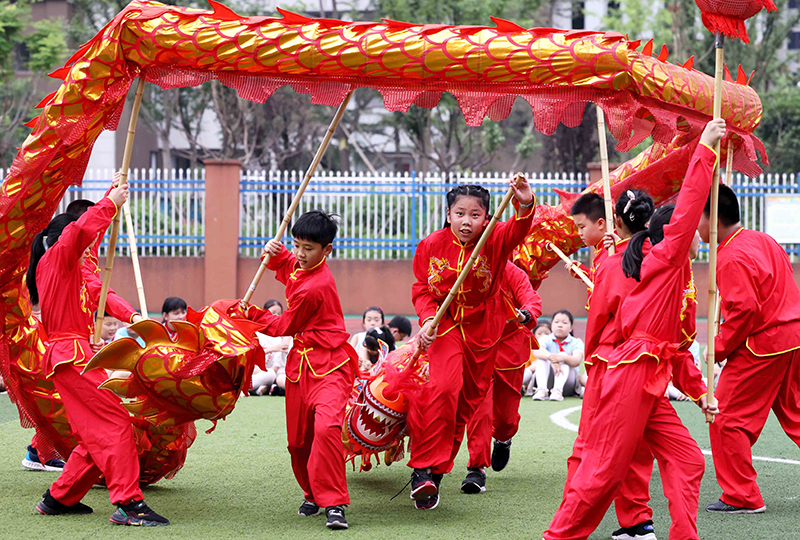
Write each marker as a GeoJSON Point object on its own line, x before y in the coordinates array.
{"type": "Point", "coordinates": [485, 68]}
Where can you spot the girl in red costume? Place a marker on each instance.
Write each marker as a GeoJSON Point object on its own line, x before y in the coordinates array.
{"type": "Point", "coordinates": [61, 278]}
{"type": "Point", "coordinates": [462, 349]}
{"type": "Point", "coordinates": [631, 406]}
{"type": "Point", "coordinates": [498, 414]}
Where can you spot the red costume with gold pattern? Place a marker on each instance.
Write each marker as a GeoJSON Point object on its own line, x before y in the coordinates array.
{"type": "Point", "coordinates": [68, 296]}
{"type": "Point", "coordinates": [320, 371]}
{"type": "Point", "coordinates": [632, 408]}
{"type": "Point", "coordinates": [462, 356]}
{"type": "Point", "coordinates": [498, 414]}
{"type": "Point", "coordinates": [760, 338]}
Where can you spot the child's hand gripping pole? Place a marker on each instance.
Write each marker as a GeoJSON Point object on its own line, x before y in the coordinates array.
{"type": "Point", "coordinates": [112, 242]}
{"type": "Point", "coordinates": [580, 273]}
{"type": "Point", "coordinates": [465, 271]}
{"type": "Point", "coordinates": [287, 218]}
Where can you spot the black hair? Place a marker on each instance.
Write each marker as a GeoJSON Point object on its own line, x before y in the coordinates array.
{"type": "Point", "coordinates": [316, 226]}
{"type": "Point", "coordinates": [42, 242]}
{"type": "Point", "coordinates": [633, 256]}
{"type": "Point", "coordinates": [402, 324]}
{"type": "Point", "coordinates": [79, 206]}
{"type": "Point", "coordinates": [173, 303]}
{"type": "Point", "coordinates": [382, 333]}
{"type": "Point", "coordinates": [373, 308]}
{"type": "Point", "coordinates": [591, 205]}
{"type": "Point", "coordinates": [467, 190]}
{"type": "Point", "coordinates": [545, 324]}
{"type": "Point", "coordinates": [272, 302]}
{"type": "Point", "coordinates": [635, 208]}
{"type": "Point", "coordinates": [729, 213]}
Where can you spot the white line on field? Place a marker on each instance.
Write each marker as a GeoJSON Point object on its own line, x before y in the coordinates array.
{"type": "Point", "coordinates": [560, 419]}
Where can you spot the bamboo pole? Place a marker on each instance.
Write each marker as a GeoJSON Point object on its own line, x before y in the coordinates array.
{"type": "Point", "coordinates": [465, 270]}
{"type": "Point", "coordinates": [297, 196]}
{"type": "Point", "coordinates": [601, 133]}
{"type": "Point", "coordinates": [137, 271]}
{"type": "Point", "coordinates": [719, 44]}
{"type": "Point", "coordinates": [580, 273]}
{"type": "Point", "coordinates": [112, 243]}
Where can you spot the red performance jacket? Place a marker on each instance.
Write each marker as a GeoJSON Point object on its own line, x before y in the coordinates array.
{"type": "Point", "coordinates": [68, 293]}
{"type": "Point", "coordinates": [658, 316]}
{"type": "Point", "coordinates": [518, 293]}
{"type": "Point", "coordinates": [478, 311]}
{"type": "Point", "coordinates": [600, 254]}
{"type": "Point", "coordinates": [760, 299]}
{"type": "Point", "coordinates": [313, 316]}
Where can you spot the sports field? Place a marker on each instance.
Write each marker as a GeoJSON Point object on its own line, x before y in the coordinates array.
{"type": "Point", "coordinates": [237, 483]}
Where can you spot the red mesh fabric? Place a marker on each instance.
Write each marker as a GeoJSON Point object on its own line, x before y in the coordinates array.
{"type": "Point", "coordinates": [728, 16]}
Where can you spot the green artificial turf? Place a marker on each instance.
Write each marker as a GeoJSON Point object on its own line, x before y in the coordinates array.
{"type": "Point", "coordinates": [237, 483]}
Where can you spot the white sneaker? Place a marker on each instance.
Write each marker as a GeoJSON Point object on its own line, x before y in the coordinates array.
{"type": "Point", "coordinates": [556, 395]}
{"type": "Point", "coordinates": [540, 395]}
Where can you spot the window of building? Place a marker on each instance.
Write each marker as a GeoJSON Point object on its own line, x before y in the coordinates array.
{"type": "Point", "coordinates": [794, 40]}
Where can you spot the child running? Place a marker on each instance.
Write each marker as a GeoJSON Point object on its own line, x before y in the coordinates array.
{"type": "Point", "coordinates": [760, 338]}
{"type": "Point", "coordinates": [321, 366]}
{"type": "Point", "coordinates": [498, 414]}
{"type": "Point", "coordinates": [62, 279]}
{"type": "Point", "coordinates": [632, 406]}
{"type": "Point", "coordinates": [462, 349]}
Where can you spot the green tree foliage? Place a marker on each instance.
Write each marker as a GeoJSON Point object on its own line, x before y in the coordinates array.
{"type": "Point", "coordinates": [28, 51]}
{"type": "Point", "coordinates": [780, 127]}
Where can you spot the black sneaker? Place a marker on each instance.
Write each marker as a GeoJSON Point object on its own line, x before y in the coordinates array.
{"type": "Point", "coordinates": [51, 507]}
{"type": "Point", "coordinates": [475, 482]}
{"type": "Point", "coordinates": [423, 486]}
{"type": "Point", "coordinates": [335, 515]}
{"type": "Point", "coordinates": [642, 531]}
{"type": "Point", "coordinates": [433, 502]}
{"type": "Point", "coordinates": [501, 452]}
{"type": "Point", "coordinates": [137, 513]}
{"type": "Point", "coordinates": [308, 509]}
{"type": "Point", "coordinates": [720, 507]}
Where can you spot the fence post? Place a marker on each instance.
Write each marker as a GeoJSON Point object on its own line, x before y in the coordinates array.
{"type": "Point", "coordinates": [223, 201]}
{"type": "Point", "coordinates": [414, 239]}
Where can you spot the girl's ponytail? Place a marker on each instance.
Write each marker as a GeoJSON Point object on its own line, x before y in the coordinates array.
{"type": "Point", "coordinates": [633, 256]}
{"type": "Point", "coordinates": [41, 243]}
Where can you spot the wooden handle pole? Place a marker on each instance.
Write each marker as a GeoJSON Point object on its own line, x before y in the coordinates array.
{"type": "Point", "coordinates": [287, 218]}
{"type": "Point", "coordinates": [137, 271]}
{"type": "Point", "coordinates": [712, 233]}
{"type": "Point", "coordinates": [601, 133]}
{"type": "Point", "coordinates": [466, 269]}
{"type": "Point", "coordinates": [112, 243]}
{"type": "Point", "coordinates": [580, 273]}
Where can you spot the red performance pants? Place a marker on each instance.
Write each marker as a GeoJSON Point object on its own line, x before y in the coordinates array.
{"type": "Point", "coordinates": [104, 433]}
{"type": "Point", "coordinates": [631, 502]}
{"type": "Point", "coordinates": [314, 419]}
{"type": "Point", "coordinates": [625, 416]}
{"type": "Point", "coordinates": [498, 414]}
{"type": "Point", "coordinates": [749, 386]}
{"type": "Point", "coordinates": [458, 380]}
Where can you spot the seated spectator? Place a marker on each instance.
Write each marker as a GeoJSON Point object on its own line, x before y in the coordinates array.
{"type": "Point", "coordinates": [173, 309]}
{"type": "Point", "coordinates": [272, 380]}
{"type": "Point", "coordinates": [110, 327]}
{"type": "Point", "coordinates": [372, 318]}
{"type": "Point", "coordinates": [371, 354]}
{"type": "Point", "coordinates": [557, 367]}
{"type": "Point", "coordinates": [528, 381]}
{"type": "Point", "coordinates": [401, 329]}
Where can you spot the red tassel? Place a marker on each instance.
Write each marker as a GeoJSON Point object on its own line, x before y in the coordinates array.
{"type": "Point", "coordinates": [733, 28]}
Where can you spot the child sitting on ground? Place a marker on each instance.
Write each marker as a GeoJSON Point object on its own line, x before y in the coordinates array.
{"type": "Point", "coordinates": [272, 380]}
{"type": "Point", "coordinates": [529, 381]}
{"type": "Point", "coordinates": [401, 329]}
{"type": "Point", "coordinates": [372, 318]}
{"type": "Point", "coordinates": [562, 357]}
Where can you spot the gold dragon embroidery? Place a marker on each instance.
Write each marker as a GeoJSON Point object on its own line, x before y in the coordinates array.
{"type": "Point", "coordinates": [435, 268]}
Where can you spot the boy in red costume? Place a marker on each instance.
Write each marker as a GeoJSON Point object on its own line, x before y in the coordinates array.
{"type": "Point", "coordinates": [632, 407]}
{"type": "Point", "coordinates": [321, 366]}
{"type": "Point", "coordinates": [462, 349]}
{"type": "Point", "coordinates": [61, 278]}
{"type": "Point", "coordinates": [760, 339]}
{"type": "Point", "coordinates": [498, 414]}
